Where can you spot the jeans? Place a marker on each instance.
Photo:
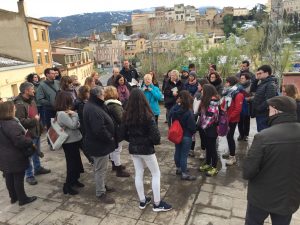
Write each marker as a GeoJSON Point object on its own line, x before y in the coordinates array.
{"type": "Point", "coordinates": [152, 164]}
{"type": "Point", "coordinates": [244, 126]}
{"type": "Point", "coordinates": [182, 152]}
{"type": "Point", "coordinates": [261, 123]}
{"type": "Point", "coordinates": [230, 138]}
{"type": "Point", "coordinates": [15, 186]}
{"type": "Point", "coordinates": [256, 216]}
{"type": "Point", "coordinates": [100, 169]}
{"type": "Point", "coordinates": [73, 161]}
{"type": "Point", "coordinates": [211, 151]}
{"type": "Point", "coordinates": [34, 159]}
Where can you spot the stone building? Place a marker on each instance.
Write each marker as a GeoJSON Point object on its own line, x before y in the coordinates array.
{"type": "Point", "coordinates": [291, 6]}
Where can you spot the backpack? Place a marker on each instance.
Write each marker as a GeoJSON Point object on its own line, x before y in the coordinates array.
{"type": "Point", "coordinates": [175, 133]}
{"type": "Point", "coordinates": [223, 123]}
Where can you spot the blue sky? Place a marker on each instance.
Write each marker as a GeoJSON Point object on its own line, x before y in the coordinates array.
{"type": "Point", "coordinates": [40, 8]}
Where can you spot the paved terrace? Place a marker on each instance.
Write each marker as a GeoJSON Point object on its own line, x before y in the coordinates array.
{"type": "Point", "coordinates": [219, 200]}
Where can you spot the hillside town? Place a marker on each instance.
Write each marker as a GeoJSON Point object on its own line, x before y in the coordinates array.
{"type": "Point", "coordinates": [179, 116]}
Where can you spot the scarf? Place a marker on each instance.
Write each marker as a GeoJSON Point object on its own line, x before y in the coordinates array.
{"type": "Point", "coordinates": [229, 94]}
{"type": "Point", "coordinates": [123, 93]}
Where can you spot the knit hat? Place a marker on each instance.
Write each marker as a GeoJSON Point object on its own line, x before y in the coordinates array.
{"type": "Point", "coordinates": [185, 68]}
{"type": "Point", "coordinates": [193, 73]}
{"type": "Point", "coordinates": [283, 104]}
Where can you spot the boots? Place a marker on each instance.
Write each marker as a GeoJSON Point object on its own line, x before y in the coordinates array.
{"type": "Point", "coordinates": [121, 172]}
{"type": "Point", "coordinates": [114, 168]}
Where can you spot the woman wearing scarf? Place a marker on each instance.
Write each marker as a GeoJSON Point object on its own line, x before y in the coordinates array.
{"type": "Point", "coordinates": [191, 84]}
{"type": "Point", "coordinates": [232, 102]}
{"type": "Point", "coordinates": [123, 90]}
{"type": "Point", "coordinates": [215, 79]}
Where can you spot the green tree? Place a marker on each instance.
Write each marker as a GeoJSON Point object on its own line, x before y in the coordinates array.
{"type": "Point", "coordinates": [228, 25]}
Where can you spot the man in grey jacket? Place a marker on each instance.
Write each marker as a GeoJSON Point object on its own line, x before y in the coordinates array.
{"type": "Point", "coordinates": [272, 166]}
{"type": "Point", "coordinates": [46, 94]}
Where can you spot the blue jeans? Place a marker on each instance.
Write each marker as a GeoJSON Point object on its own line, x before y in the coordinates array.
{"type": "Point", "coordinates": [34, 159]}
{"type": "Point", "coordinates": [182, 152]}
{"type": "Point", "coordinates": [261, 123]}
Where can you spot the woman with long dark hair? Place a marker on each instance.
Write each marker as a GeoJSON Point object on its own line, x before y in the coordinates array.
{"type": "Point", "coordinates": [182, 112]}
{"type": "Point", "coordinates": [70, 121]}
{"type": "Point", "coordinates": [209, 112]}
{"type": "Point", "coordinates": [140, 130]}
{"type": "Point", "coordinates": [215, 79]}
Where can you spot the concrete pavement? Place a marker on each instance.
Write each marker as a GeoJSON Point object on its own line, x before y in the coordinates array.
{"type": "Point", "coordinates": [206, 201]}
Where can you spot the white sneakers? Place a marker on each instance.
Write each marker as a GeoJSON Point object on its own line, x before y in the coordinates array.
{"type": "Point", "coordinates": [230, 161]}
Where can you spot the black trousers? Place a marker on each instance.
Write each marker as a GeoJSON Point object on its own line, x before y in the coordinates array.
{"type": "Point", "coordinates": [244, 126]}
{"type": "Point", "coordinates": [230, 138]}
{"type": "Point", "coordinates": [15, 185]}
{"type": "Point", "coordinates": [73, 161]}
{"type": "Point", "coordinates": [211, 151]}
{"type": "Point", "coordinates": [256, 216]}
{"type": "Point", "coordinates": [202, 139]}
{"type": "Point", "coordinates": [156, 120]}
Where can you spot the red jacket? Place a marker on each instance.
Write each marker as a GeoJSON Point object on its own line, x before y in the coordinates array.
{"type": "Point", "coordinates": [235, 108]}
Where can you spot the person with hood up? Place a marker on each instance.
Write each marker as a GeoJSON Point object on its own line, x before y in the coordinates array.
{"type": "Point", "coordinates": [215, 79]}
{"type": "Point", "coordinates": [182, 112]}
{"type": "Point", "coordinates": [191, 85]}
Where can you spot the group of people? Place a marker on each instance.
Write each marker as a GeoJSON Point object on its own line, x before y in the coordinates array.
{"type": "Point", "coordinates": [97, 119]}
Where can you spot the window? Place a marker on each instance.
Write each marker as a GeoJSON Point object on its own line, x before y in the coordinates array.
{"type": "Point", "coordinates": [39, 58]}
{"type": "Point", "coordinates": [35, 34]}
{"type": "Point", "coordinates": [44, 38]}
{"type": "Point", "coordinates": [46, 57]}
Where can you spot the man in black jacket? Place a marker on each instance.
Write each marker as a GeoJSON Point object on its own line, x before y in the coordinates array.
{"type": "Point", "coordinates": [272, 166]}
{"type": "Point", "coordinates": [129, 72]}
{"type": "Point", "coordinates": [99, 139]}
{"type": "Point", "coordinates": [265, 88]}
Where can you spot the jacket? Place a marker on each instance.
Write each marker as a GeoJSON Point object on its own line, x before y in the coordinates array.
{"type": "Point", "coordinates": [111, 81]}
{"type": "Point", "coordinates": [169, 98]}
{"type": "Point", "coordinates": [142, 138]}
{"type": "Point", "coordinates": [191, 88]}
{"type": "Point", "coordinates": [12, 143]}
{"type": "Point", "coordinates": [129, 74]}
{"type": "Point", "coordinates": [264, 90]}
{"type": "Point", "coordinates": [71, 125]}
{"type": "Point", "coordinates": [209, 119]}
{"type": "Point", "coordinates": [272, 166]}
{"type": "Point", "coordinates": [78, 107]}
{"type": "Point", "coordinates": [99, 128]}
{"type": "Point", "coordinates": [46, 93]}
{"type": "Point", "coordinates": [115, 110]}
{"type": "Point", "coordinates": [218, 85]}
{"type": "Point", "coordinates": [153, 97]}
{"type": "Point", "coordinates": [186, 119]}
{"type": "Point", "coordinates": [26, 109]}
{"type": "Point", "coordinates": [235, 109]}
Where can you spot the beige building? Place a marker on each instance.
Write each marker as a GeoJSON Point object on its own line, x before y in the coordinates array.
{"type": "Point", "coordinates": [291, 6]}
{"type": "Point", "coordinates": [74, 61]}
{"type": "Point", "coordinates": [25, 38]}
{"type": "Point", "coordinates": [240, 12]}
{"type": "Point", "coordinates": [275, 8]}
{"type": "Point", "coordinates": [134, 47]}
{"type": "Point", "coordinates": [12, 73]}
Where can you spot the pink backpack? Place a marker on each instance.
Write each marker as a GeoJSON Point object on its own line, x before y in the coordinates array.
{"type": "Point", "coordinates": [223, 123]}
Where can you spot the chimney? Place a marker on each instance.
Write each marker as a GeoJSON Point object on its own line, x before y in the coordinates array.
{"type": "Point", "coordinates": [22, 8]}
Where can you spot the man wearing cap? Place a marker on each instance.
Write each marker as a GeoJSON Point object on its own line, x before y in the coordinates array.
{"type": "Point", "coordinates": [272, 166]}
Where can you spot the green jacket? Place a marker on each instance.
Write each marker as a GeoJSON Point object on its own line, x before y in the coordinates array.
{"type": "Point", "coordinates": [46, 93]}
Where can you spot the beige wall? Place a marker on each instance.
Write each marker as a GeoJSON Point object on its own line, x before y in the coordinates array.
{"type": "Point", "coordinates": [10, 79]}
{"type": "Point", "coordinates": [82, 72]}
{"type": "Point", "coordinates": [14, 40]}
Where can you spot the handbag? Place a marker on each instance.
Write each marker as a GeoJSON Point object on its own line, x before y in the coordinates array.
{"type": "Point", "coordinates": [56, 134]}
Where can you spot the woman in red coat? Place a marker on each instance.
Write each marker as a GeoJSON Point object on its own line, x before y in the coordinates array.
{"type": "Point", "coordinates": [232, 102]}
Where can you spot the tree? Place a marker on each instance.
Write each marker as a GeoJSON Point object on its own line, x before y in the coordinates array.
{"type": "Point", "coordinates": [228, 25]}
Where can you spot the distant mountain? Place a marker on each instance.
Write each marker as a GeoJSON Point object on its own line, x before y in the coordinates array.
{"type": "Point", "coordinates": [85, 24]}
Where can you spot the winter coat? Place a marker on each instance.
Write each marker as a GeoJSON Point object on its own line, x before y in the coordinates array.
{"type": "Point", "coordinates": [99, 128]}
{"type": "Point", "coordinates": [272, 166]}
{"type": "Point", "coordinates": [186, 119]}
{"type": "Point", "coordinates": [115, 110]}
{"type": "Point", "coordinates": [12, 143]}
{"type": "Point", "coordinates": [265, 90]}
{"type": "Point", "coordinates": [218, 85]}
{"type": "Point", "coordinates": [26, 110]}
{"type": "Point", "coordinates": [191, 88]}
{"type": "Point", "coordinates": [169, 98]}
{"type": "Point", "coordinates": [111, 81]}
{"type": "Point", "coordinates": [235, 108]}
{"type": "Point", "coordinates": [142, 138]}
{"type": "Point", "coordinates": [129, 74]}
{"type": "Point", "coordinates": [209, 119]}
{"type": "Point", "coordinates": [153, 97]}
{"type": "Point", "coordinates": [78, 107]}
{"type": "Point", "coordinates": [46, 93]}
{"type": "Point", "coordinates": [71, 125]}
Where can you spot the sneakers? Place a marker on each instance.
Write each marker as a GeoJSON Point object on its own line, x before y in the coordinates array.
{"type": "Point", "coordinates": [144, 204]}
{"type": "Point", "coordinates": [188, 177]}
{"type": "Point", "coordinates": [230, 161]}
{"type": "Point", "coordinates": [202, 154]}
{"type": "Point", "coordinates": [226, 155]}
{"type": "Point", "coordinates": [41, 171]}
{"type": "Point", "coordinates": [31, 180]}
{"type": "Point", "coordinates": [204, 167]}
{"type": "Point", "coordinates": [162, 207]}
{"type": "Point", "coordinates": [104, 198]}
{"type": "Point", "coordinates": [212, 172]}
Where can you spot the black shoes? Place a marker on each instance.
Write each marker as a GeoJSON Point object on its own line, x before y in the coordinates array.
{"type": "Point", "coordinates": [27, 200]}
{"type": "Point", "coordinates": [78, 184]}
{"type": "Point", "coordinates": [13, 200]}
{"type": "Point", "coordinates": [41, 171]}
{"type": "Point", "coordinates": [67, 189]}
